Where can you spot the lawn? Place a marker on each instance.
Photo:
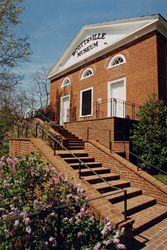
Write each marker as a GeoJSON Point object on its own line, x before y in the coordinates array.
{"type": "Point", "coordinates": [162, 178]}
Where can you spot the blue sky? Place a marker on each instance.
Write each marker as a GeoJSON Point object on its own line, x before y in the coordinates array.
{"type": "Point", "coordinates": [52, 24]}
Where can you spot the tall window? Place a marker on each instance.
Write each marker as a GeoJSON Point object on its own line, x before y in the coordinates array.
{"type": "Point", "coordinates": [86, 98]}
{"type": "Point", "coordinates": [87, 73]}
{"type": "Point", "coordinates": [116, 60]}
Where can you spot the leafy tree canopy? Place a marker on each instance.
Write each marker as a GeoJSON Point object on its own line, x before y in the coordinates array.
{"type": "Point", "coordinates": [14, 50]}
{"type": "Point", "coordinates": [149, 135]}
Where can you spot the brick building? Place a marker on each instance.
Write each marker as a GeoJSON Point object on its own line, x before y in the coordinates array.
{"type": "Point", "coordinates": [109, 69]}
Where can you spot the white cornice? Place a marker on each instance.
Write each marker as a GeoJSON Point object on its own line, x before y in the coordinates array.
{"type": "Point", "coordinates": [145, 24]}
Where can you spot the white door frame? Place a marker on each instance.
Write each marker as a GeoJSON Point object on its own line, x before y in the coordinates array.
{"type": "Point", "coordinates": [61, 107]}
{"type": "Point", "coordinates": [123, 79]}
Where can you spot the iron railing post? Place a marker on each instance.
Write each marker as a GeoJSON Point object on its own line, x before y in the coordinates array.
{"type": "Point", "coordinates": [110, 143]}
{"type": "Point", "coordinates": [18, 134]}
{"type": "Point", "coordinates": [137, 164]}
{"type": "Point", "coordinates": [58, 229]}
{"type": "Point", "coordinates": [79, 170]}
{"type": "Point", "coordinates": [36, 130]}
{"type": "Point", "coordinates": [42, 134]}
{"type": "Point", "coordinates": [125, 204]}
{"type": "Point", "coordinates": [26, 129]}
{"type": "Point", "coordinates": [54, 147]}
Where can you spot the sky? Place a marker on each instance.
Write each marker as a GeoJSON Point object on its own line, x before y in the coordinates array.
{"type": "Point", "coordinates": [52, 24]}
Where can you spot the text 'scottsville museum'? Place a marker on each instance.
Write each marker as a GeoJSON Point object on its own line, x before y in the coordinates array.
{"type": "Point", "coordinates": [109, 69]}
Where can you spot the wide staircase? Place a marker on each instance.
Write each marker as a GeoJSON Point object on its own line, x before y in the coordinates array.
{"type": "Point", "coordinates": [142, 208]}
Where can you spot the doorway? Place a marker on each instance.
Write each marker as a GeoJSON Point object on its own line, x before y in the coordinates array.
{"type": "Point", "coordinates": [64, 109]}
{"type": "Point", "coordinates": [117, 98]}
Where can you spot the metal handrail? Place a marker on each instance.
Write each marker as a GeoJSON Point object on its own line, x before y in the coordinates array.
{"type": "Point", "coordinates": [49, 119]}
{"type": "Point", "coordinates": [46, 210]}
{"type": "Point", "coordinates": [83, 164]}
{"type": "Point", "coordinates": [126, 150]}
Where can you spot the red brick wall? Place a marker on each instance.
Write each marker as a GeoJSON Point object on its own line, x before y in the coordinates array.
{"type": "Point", "coordinates": [140, 69]}
{"type": "Point", "coordinates": [128, 171]}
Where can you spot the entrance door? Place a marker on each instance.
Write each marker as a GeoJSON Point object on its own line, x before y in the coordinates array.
{"type": "Point", "coordinates": [117, 98]}
{"type": "Point", "coordinates": [64, 109]}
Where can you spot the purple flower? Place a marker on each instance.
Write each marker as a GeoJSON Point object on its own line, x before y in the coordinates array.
{"type": "Point", "coordinates": [6, 231]}
{"type": "Point", "coordinates": [32, 172]}
{"type": "Point", "coordinates": [52, 214]}
{"type": "Point", "coordinates": [24, 214]}
{"type": "Point", "coordinates": [79, 234]}
{"type": "Point", "coordinates": [60, 177]}
{"type": "Point", "coordinates": [107, 242]}
{"type": "Point", "coordinates": [92, 218]}
{"type": "Point", "coordinates": [117, 235]}
{"type": "Point", "coordinates": [51, 239]}
{"type": "Point", "coordinates": [3, 158]}
{"type": "Point", "coordinates": [16, 223]}
{"type": "Point", "coordinates": [71, 220]}
{"type": "Point", "coordinates": [27, 221]}
{"type": "Point", "coordinates": [6, 184]}
{"type": "Point", "coordinates": [121, 246]}
{"type": "Point", "coordinates": [30, 158]}
{"type": "Point", "coordinates": [116, 241]}
{"type": "Point", "coordinates": [104, 231]}
{"type": "Point", "coordinates": [69, 196]}
{"type": "Point", "coordinates": [77, 198]}
{"type": "Point", "coordinates": [28, 230]}
{"type": "Point", "coordinates": [36, 203]}
{"type": "Point", "coordinates": [97, 247]}
{"type": "Point", "coordinates": [64, 219]}
{"type": "Point", "coordinates": [67, 177]}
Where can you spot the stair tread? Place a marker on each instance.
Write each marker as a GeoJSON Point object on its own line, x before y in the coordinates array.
{"type": "Point", "coordinates": [94, 169]}
{"type": "Point", "coordinates": [115, 194]}
{"type": "Point", "coordinates": [66, 152]}
{"type": "Point", "coordinates": [84, 158]}
{"type": "Point", "coordinates": [147, 215]}
{"type": "Point", "coordinates": [135, 202]}
{"type": "Point", "coordinates": [112, 183]}
{"type": "Point", "coordinates": [89, 163]}
{"type": "Point", "coordinates": [94, 177]}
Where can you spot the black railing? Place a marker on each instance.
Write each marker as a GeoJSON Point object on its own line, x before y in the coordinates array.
{"type": "Point", "coordinates": [110, 143]}
{"type": "Point", "coordinates": [81, 163]}
{"type": "Point", "coordinates": [115, 107]}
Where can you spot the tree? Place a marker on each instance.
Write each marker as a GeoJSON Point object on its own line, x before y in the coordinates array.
{"type": "Point", "coordinates": [149, 135]}
{"type": "Point", "coordinates": [41, 88]}
{"type": "Point", "coordinates": [14, 50]}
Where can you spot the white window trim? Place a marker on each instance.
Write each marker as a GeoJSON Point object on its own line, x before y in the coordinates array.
{"type": "Point", "coordinates": [62, 85]}
{"type": "Point", "coordinates": [113, 59]}
{"type": "Point", "coordinates": [83, 90]}
{"type": "Point", "coordinates": [109, 93]}
{"type": "Point", "coordinates": [83, 77]}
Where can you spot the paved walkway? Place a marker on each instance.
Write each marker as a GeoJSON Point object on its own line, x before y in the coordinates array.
{"type": "Point", "coordinates": [154, 238]}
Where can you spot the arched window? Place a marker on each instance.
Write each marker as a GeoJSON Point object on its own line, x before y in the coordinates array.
{"type": "Point", "coordinates": [87, 73]}
{"type": "Point", "coordinates": [116, 60]}
{"type": "Point", "coordinates": [65, 82]}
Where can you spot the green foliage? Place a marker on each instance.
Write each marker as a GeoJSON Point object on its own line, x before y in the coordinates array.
{"type": "Point", "coordinates": [14, 50]}
{"type": "Point", "coordinates": [26, 186]}
{"type": "Point", "coordinates": [149, 135]}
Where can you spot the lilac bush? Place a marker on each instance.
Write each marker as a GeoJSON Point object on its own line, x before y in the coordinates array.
{"type": "Point", "coordinates": [30, 193]}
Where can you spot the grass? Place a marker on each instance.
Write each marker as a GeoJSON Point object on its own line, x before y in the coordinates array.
{"type": "Point", "coordinates": [162, 178]}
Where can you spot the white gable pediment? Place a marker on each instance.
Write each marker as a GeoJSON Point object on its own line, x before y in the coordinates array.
{"type": "Point", "coordinates": [96, 39]}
